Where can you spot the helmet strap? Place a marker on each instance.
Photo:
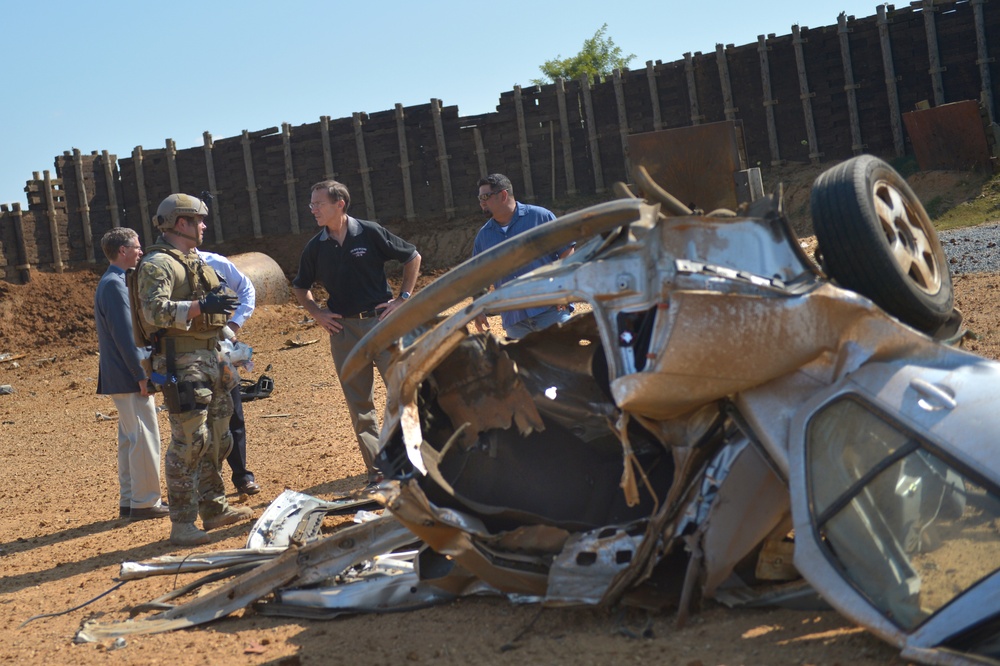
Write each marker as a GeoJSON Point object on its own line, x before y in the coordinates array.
{"type": "Point", "coordinates": [174, 231]}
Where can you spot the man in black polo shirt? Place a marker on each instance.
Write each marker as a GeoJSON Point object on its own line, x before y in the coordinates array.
{"type": "Point", "coordinates": [348, 258]}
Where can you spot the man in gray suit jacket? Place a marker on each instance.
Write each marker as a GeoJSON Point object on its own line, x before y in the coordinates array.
{"type": "Point", "coordinates": [121, 376]}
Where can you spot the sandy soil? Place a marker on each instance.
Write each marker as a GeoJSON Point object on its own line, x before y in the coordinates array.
{"type": "Point", "coordinates": [61, 542]}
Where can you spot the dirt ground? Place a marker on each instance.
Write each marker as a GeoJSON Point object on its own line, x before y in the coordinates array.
{"type": "Point", "coordinates": [61, 542]}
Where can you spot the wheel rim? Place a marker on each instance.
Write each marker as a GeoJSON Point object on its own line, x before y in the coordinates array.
{"type": "Point", "coordinates": [910, 236]}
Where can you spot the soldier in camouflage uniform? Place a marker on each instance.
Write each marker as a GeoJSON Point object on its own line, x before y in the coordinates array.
{"type": "Point", "coordinates": [184, 310]}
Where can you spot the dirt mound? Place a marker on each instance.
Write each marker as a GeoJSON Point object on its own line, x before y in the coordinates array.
{"type": "Point", "coordinates": [940, 191]}
{"type": "Point", "coordinates": [52, 309]}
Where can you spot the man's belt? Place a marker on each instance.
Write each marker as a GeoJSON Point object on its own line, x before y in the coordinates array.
{"type": "Point", "coordinates": [184, 344]}
{"type": "Point", "coordinates": [367, 314]}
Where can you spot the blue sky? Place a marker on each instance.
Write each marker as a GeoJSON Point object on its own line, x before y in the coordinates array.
{"type": "Point", "coordinates": [114, 74]}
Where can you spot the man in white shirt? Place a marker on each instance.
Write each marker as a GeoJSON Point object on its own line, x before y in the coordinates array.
{"type": "Point", "coordinates": [242, 478]}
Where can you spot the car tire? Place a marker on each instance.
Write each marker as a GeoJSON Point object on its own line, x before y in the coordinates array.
{"type": "Point", "coordinates": [875, 238]}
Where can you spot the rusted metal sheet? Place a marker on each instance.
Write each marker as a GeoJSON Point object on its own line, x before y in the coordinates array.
{"type": "Point", "coordinates": [695, 164]}
{"type": "Point", "coordinates": [950, 136]}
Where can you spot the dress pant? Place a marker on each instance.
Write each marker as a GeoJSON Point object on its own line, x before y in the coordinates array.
{"type": "Point", "coordinates": [138, 450]}
{"type": "Point", "coordinates": [359, 393]}
{"type": "Point", "coordinates": [237, 458]}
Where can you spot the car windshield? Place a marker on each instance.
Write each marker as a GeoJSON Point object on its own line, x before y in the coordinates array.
{"type": "Point", "coordinates": [910, 531]}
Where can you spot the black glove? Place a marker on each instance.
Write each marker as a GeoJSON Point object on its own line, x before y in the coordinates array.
{"type": "Point", "coordinates": [218, 303]}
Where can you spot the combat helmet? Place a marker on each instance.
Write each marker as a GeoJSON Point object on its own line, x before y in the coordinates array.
{"type": "Point", "coordinates": [177, 205]}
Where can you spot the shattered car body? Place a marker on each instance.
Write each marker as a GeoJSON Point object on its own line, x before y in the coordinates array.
{"type": "Point", "coordinates": [721, 407]}
{"type": "Point", "coordinates": [720, 395]}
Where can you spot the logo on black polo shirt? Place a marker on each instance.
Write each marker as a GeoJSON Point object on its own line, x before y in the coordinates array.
{"type": "Point", "coordinates": [359, 252]}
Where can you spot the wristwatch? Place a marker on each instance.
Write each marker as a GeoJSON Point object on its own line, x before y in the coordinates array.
{"type": "Point", "coordinates": [404, 295]}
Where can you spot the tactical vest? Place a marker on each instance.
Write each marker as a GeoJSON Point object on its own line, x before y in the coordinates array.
{"type": "Point", "coordinates": [193, 279]}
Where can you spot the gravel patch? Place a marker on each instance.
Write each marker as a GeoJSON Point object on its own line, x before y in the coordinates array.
{"type": "Point", "coordinates": [972, 249]}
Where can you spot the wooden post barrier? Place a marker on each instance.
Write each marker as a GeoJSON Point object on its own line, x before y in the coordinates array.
{"type": "Point", "coordinates": [567, 146]}
{"type": "Point", "coordinates": [140, 186]}
{"type": "Point", "coordinates": [552, 158]}
{"type": "Point", "coordinates": [477, 136]}
{"type": "Point", "coordinates": [933, 55]}
{"type": "Point", "coordinates": [595, 149]}
{"type": "Point", "coordinates": [171, 152]}
{"type": "Point", "coordinates": [805, 95]}
{"type": "Point", "coordinates": [50, 209]}
{"type": "Point", "coordinates": [404, 162]}
{"type": "Point", "coordinates": [109, 179]}
{"type": "Point", "coordinates": [522, 144]}
{"type": "Point", "coordinates": [891, 90]}
{"type": "Point", "coordinates": [251, 184]}
{"type": "Point", "coordinates": [692, 89]}
{"type": "Point", "coordinates": [654, 95]}
{"type": "Point", "coordinates": [23, 266]}
{"type": "Point", "coordinates": [725, 82]}
{"type": "Point", "coordinates": [622, 119]}
{"type": "Point", "coordinates": [769, 101]}
{"type": "Point", "coordinates": [84, 209]}
{"type": "Point", "coordinates": [983, 60]}
{"type": "Point", "coordinates": [442, 158]}
{"type": "Point", "coordinates": [363, 168]}
{"type": "Point", "coordinates": [213, 189]}
{"type": "Point", "coordinates": [293, 206]}
{"type": "Point", "coordinates": [843, 32]}
{"type": "Point", "coordinates": [324, 131]}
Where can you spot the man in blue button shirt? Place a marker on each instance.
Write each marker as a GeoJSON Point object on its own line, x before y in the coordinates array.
{"type": "Point", "coordinates": [509, 218]}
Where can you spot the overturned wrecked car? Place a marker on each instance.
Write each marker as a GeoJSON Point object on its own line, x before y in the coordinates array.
{"type": "Point", "coordinates": [719, 407]}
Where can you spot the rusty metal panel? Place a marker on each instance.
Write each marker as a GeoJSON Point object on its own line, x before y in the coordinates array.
{"type": "Point", "coordinates": [695, 164]}
{"type": "Point", "coordinates": [950, 136]}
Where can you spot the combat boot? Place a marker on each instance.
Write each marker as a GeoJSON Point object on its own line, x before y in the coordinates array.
{"type": "Point", "coordinates": [187, 534]}
{"type": "Point", "coordinates": [228, 517]}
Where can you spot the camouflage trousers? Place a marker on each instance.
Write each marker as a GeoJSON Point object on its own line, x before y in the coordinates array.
{"type": "Point", "coordinates": [199, 438]}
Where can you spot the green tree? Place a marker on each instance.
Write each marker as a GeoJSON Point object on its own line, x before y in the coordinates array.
{"type": "Point", "coordinates": [599, 57]}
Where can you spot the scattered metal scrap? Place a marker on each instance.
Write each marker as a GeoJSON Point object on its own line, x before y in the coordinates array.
{"type": "Point", "coordinates": [300, 343]}
{"type": "Point", "coordinates": [305, 564]}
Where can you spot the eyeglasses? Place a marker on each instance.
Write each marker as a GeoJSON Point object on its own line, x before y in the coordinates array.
{"type": "Point", "coordinates": [314, 206]}
{"type": "Point", "coordinates": [484, 197]}
{"type": "Point", "coordinates": [134, 247]}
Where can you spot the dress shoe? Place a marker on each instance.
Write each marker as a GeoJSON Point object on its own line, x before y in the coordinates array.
{"type": "Point", "coordinates": [249, 488]}
{"type": "Point", "coordinates": [186, 534]}
{"type": "Point", "coordinates": [158, 511]}
{"type": "Point", "coordinates": [232, 514]}
{"type": "Point", "coordinates": [124, 511]}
